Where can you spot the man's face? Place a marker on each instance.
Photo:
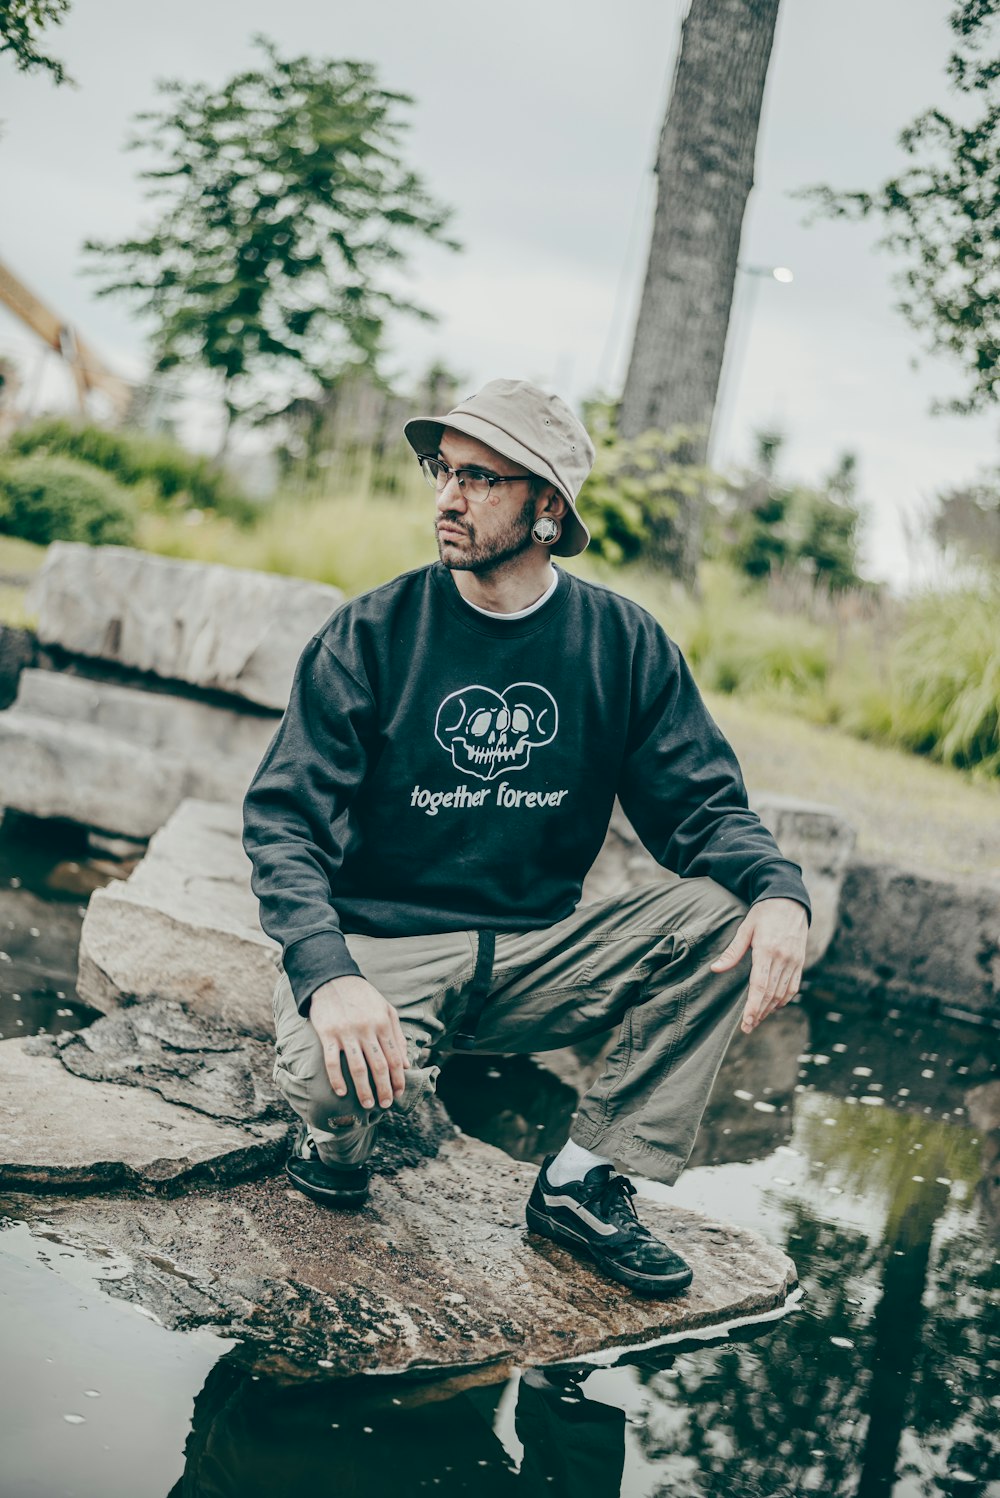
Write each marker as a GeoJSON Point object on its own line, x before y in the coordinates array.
{"type": "Point", "coordinates": [482, 537]}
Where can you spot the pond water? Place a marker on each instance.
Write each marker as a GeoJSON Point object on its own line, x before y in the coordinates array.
{"type": "Point", "coordinates": [838, 1133]}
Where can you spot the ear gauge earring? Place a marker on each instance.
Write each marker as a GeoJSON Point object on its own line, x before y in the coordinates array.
{"type": "Point", "coordinates": [546, 530]}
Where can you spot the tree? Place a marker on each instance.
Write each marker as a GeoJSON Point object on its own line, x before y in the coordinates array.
{"type": "Point", "coordinates": [772, 526]}
{"type": "Point", "coordinates": [704, 174]}
{"type": "Point", "coordinates": [20, 23]}
{"type": "Point", "coordinates": [942, 214]}
{"type": "Point", "coordinates": [968, 519]}
{"type": "Point", "coordinates": [284, 196]}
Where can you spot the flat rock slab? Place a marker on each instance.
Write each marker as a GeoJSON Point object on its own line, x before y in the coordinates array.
{"type": "Point", "coordinates": [184, 926]}
{"type": "Point", "coordinates": [436, 1271]}
{"type": "Point", "coordinates": [60, 1132]}
{"type": "Point", "coordinates": [186, 1058]}
{"type": "Point", "coordinates": [222, 628]}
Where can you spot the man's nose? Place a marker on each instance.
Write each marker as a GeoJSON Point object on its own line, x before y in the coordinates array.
{"type": "Point", "coordinates": [451, 493]}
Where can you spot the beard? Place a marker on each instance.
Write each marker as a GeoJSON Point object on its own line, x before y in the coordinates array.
{"type": "Point", "coordinates": [485, 554]}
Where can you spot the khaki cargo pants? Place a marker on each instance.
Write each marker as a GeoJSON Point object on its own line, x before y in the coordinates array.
{"type": "Point", "coordinates": [638, 961]}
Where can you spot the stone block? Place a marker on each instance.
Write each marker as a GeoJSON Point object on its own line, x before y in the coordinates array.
{"type": "Point", "coordinates": [50, 768]}
{"type": "Point", "coordinates": [53, 769]}
{"type": "Point", "coordinates": [186, 1058]}
{"type": "Point", "coordinates": [184, 926]}
{"type": "Point", "coordinates": [118, 759]}
{"type": "Point", "coordinates": [156, 720]}
{"type": "Point", "coordinates": [64, 1133]}
{"type": "Point", "coordinates": [909, 938]}
{"type": "Point", "coordinates": [821, 842]}
{"type": "Point", "coordinates": [211, 626]}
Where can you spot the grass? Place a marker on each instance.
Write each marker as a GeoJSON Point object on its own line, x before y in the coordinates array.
{"type": "Point", "coordinates": [353, 542]}
{"type": "Point", "coordinates": [19, 561]}
{"type": "Point", "coordinates": [919, 815]}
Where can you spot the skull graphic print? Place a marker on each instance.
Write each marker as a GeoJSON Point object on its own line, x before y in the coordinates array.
{"type": "Point", "coordinates": [489, 733]}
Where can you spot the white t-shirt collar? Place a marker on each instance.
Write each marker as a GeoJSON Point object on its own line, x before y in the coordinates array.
{"type": "Point", "coordinates": [519, 613]}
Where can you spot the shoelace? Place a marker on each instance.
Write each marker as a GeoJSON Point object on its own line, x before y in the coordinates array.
{"type": "Point", "coordinates": [612, 1200]}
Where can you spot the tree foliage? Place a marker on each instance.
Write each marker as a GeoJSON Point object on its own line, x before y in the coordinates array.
{"type": "Point", "coordinates": [643, 500]}
{"type": "Point", "coordinates": [21, 22]}
{"type": "Point", "coordinates": [942, 213]}
{"type": "Point", "coordinates": [283, 197]}
{"type": "Point", "coordinates": [967, 518]}
{"type": "Point", "coordinates": [769, 525]}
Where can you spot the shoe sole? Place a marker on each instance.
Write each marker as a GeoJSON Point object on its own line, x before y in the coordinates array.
{"type": "Point", "coordinates": [327, 1198]}
{"type": "Point", "coordinates": [643, 1284]}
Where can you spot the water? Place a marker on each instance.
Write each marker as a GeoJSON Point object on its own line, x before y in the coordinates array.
{"type": "Point", "coordinates": [840, 1134]}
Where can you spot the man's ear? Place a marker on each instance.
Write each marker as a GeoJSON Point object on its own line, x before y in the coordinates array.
{"type": "Point", "coordinates": [554, 503]}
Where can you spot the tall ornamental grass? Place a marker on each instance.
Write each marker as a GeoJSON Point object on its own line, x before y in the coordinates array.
{"type": "Point", "coordinates": [945, 676]}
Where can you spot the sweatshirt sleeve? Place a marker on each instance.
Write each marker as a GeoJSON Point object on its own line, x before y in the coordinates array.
{"type": "Point", "coordinates": [682, 790]}
{"type": "Point", "coordinates": [294, 821]}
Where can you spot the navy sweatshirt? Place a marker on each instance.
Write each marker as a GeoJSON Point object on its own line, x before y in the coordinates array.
{"type": "Point", "coordinates": [440, 770]}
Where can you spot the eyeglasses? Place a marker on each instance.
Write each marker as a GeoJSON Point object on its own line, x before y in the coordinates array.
{"type": "Point", "coordinates": [475, 483]}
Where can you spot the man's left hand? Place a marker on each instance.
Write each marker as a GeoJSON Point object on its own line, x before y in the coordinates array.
{"type": "Point", "coordinates": [775, 930]}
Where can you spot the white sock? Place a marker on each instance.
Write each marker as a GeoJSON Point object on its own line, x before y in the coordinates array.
{"type": "Point", "coordinates": [573, 1162]}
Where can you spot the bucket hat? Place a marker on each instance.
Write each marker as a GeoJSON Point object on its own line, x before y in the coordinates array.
{"type": "Point", "coordinates": [529, 426]}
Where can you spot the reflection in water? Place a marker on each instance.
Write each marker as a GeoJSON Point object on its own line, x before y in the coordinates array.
{"type": "Point", "coordinates": [46, 877]}
{"type": "Point", "coordinates": [897, 1326]}
{"type": "Point", "coordinates": [250, 1439]}
{"type": "Point", "coordinates": [838, 1132]}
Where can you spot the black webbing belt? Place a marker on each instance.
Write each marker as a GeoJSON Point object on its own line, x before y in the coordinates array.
{"type": "Point", "coordinates": [465, 1039]}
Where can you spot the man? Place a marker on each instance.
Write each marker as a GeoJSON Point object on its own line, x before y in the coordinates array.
{"type": "Point", "coordinates": [423, 819]}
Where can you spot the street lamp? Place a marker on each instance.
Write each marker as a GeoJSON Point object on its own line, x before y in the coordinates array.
{"type": "Point", "coordinates": [736, 343]}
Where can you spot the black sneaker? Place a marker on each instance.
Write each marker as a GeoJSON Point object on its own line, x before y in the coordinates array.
{"type": "Point", "coordinates": [597, 1214]}
{"type": "Point", "coordinates": [333, 1185]}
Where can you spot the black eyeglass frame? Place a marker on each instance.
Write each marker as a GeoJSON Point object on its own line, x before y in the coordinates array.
{"type": "Point", "coordinates": [479, 473]}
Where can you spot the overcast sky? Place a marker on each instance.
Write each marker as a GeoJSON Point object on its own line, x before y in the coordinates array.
{"type": "Point", "coordinates": [538, 121]}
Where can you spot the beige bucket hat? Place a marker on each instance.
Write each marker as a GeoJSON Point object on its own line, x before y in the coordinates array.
{"type": "Point", "coordinates": [530, 427]}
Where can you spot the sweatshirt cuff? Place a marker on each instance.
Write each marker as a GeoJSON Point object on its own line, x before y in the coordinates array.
{"type": "Point", "coordinates": [314, 960]}
{"type": "Point", "coordinates": [783, 882]}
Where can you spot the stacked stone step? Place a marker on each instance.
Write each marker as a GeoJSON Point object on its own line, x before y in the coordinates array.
{"type": "Point", "coordinates": [174, 675]}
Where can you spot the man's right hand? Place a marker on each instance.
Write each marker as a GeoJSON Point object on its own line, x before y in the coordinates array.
{"type": "Point", "coordinates": [355, 1022]}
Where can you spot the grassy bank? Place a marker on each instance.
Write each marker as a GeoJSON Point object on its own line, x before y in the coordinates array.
{"type": "Point", "coordinates": [919, 815]}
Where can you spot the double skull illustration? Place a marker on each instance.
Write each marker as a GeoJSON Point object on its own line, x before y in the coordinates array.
{"type": "Point", "coordinates": [489, 733]}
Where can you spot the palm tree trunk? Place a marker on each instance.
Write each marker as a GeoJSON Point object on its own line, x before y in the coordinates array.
{"type": "Point", "coordinates": [705, 171]}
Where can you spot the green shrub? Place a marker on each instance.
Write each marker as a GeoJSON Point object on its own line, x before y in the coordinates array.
{"type": "Point", "coordinates": [946, 678]}
{"type": "Point", "coordinates": [765, 526]}
{"type": "Point", "coordinates": [640, 502]}
{"type": "Point", "coordinates": [45, 499]}
{"type": "Point", "coordinates": [176, 477]}
{"type": "Point", "coordinates": [776, 655]}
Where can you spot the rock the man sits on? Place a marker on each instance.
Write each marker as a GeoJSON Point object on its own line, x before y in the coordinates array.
{"type": "Point", "coordinates": [422, 822]}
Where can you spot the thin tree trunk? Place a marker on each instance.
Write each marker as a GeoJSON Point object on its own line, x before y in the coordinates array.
{"type": "Point", "coordinates": [705, 171]}
{"type": "Point", "coordinates": [222, 451]}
